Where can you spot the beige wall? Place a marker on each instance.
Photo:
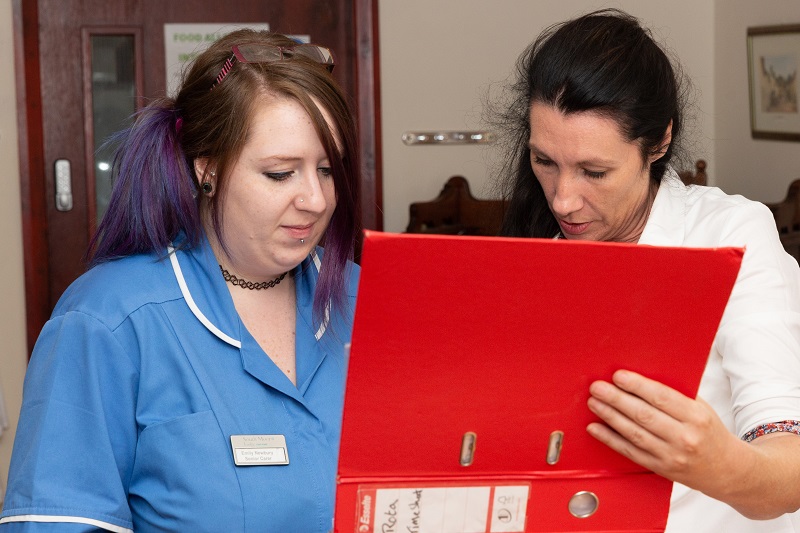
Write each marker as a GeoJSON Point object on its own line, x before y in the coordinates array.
{"type": "Point", "coordinates": [13, 354]}
{"type": "Point", "coordinates": [758, 169]}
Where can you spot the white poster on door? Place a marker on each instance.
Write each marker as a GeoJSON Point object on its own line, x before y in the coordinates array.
{"type": "Point", "coordinates": [182, 42]}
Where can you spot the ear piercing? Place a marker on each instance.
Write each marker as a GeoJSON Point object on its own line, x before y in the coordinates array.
{"type": "Point", "coordinates": [206, 186]}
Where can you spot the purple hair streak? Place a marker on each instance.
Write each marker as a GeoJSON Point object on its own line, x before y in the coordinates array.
{"type": "Point", "coordinates": [153, 196]}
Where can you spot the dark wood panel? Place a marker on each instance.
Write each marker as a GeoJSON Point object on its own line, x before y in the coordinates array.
{"type": "Point", "coordinates": [61, 62]}
{"type": "Point", "coordinates": [31, 166]}
{"type": "Point", "coordinates": [369, 104]}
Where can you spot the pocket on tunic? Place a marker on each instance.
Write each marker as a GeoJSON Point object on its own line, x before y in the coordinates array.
{"type": "Point", "coordinates": [184, 478]}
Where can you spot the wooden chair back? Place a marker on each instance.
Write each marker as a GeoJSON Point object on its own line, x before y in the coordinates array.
{"type": "Point", "coordinates": [456, 212]}
{"type": "Point", "coordinates": [787, 218]}
{"type": "Point", "coordinates": [698, 177]}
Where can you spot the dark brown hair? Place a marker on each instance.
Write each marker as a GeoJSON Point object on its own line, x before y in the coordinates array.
{"type": "Point", "coordinates": [604, 62]}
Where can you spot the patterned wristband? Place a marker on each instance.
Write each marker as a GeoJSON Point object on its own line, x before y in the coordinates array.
{"type": "Point", "coordinates": [792, 426]}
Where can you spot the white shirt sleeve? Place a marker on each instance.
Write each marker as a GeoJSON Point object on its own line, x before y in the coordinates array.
{"type": "Point", "coordinates": [759, 336]}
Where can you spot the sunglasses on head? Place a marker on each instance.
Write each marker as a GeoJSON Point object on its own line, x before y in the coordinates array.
{"type": "Point", "coordinates": [266, 53]}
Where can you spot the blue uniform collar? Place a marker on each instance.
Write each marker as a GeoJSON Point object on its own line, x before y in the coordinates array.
{"type": "Point", "coordinates": [205, 292]}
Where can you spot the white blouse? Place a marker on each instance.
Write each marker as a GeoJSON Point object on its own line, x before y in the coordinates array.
{"type": "Point", "coordinates": [753, 373]}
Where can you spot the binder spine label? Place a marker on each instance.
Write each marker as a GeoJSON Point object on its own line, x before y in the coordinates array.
{"type": "Point", "coordinates": [474, 508]}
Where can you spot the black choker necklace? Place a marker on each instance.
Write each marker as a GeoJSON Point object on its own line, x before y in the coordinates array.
{"type": "Point", "coordinates": [233, 280]}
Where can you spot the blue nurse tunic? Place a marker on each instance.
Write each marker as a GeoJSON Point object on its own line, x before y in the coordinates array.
{"type": "Point", "coordinates": [135, 387]}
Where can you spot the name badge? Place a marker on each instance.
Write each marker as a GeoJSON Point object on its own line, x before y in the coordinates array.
{"type": "Point", "coordinates": [255, 450]}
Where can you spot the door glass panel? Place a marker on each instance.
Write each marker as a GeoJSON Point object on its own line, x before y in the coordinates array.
{"type": "Point", "coordinates": [113, 103]}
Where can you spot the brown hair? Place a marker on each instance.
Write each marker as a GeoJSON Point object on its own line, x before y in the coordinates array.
{"type": "Point", "coordinates": [215, 125]}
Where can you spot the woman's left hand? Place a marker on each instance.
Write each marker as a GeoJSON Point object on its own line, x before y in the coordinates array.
{"type": "Point", "coordinates": [665, 431]}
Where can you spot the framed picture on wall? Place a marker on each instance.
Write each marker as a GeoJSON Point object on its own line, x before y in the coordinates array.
{"type": "Point", "coordinates": [773, 59]}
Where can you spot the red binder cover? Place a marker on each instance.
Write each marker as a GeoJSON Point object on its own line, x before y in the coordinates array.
{"type": "Point", "coordinates": [481, 350]}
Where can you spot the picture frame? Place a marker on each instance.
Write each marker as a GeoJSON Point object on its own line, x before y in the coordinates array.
{"type": "Point", "coordinates": [773, 61]}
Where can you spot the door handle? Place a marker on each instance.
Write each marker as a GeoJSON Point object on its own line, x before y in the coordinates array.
{"type": "Point", "coordinates": [63, 173]}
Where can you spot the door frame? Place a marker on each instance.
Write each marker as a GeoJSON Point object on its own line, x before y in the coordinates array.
{"type": "Point", "coordinates": [31, 145]}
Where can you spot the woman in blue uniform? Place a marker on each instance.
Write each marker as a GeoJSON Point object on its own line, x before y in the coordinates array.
{"type": "Point", "coordinates": [192, 379]}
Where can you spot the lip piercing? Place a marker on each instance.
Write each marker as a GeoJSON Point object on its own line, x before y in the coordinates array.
{"type": "Point", "coordinates": [302, 241]}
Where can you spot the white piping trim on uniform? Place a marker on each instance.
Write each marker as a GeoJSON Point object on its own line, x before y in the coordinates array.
{"type": "Point", "coordinates": [65, 519]}
{"type": "Point", "coordinates": [176, 267]}
{"type": "Point", "coordinates": [322, 327]}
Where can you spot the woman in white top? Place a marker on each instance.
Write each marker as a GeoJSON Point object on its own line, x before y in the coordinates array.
{"type": "Point", "coordinates": [597, 119]}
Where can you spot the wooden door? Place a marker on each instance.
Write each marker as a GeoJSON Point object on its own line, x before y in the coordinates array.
{"type": "Point", "coordinates": [73, 57]}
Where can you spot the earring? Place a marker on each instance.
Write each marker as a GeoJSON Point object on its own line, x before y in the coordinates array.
{"type": "Point", "coordinates": [213, 173]}
{"type": "Point", "coordinates": [207, 187]}
{"type": "Point", "coordinates": [301, 200]}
